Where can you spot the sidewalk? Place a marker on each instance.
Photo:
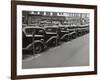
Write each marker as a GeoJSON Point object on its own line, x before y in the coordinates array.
{"type": "Point", "coordinates": [72, 53]}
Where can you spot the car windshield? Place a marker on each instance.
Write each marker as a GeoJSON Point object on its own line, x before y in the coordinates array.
{"type": "Point", "coordinates": [30, 31]}
{"type": "Point", "coordinates": [54, 30]}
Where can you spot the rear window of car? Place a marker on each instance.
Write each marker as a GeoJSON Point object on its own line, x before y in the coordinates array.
{"type": "Point", "coordinates": [54, 30]}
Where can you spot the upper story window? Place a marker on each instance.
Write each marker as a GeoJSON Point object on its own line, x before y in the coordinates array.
{"type": "Point", "coordinates": [48, 13]}
{"type": "Point", "coordinates": [54, 13]}
{"type": "Point", "coordinates": [35, 12]}
{"type": "Point", "coordinates": [41, 13]}
{"type": "Point", "coordinates": [61, 13]}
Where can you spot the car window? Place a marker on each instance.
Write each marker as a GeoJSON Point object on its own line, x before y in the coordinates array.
{"type": "Point", "coordinates": [54, 30]}
{"type": "Point", "coordinates": [29, 30]}
{"type": "Point", "coordinates": [39, 32]}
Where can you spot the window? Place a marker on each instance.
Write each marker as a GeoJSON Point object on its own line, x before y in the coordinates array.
{"type": "Point", "coordinates": [48, 13]}
{"type": "Point", "coordinates": [35, 12]}
{"type": "Point", "coordinates": [54, 13]}
{"type": "Point", "coordinates": [41, 13]}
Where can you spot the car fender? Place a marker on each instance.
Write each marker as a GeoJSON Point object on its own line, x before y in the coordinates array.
{"type": "Point", "coordinates": [51, 38]}
{"type": "Point", "coordinates": [34, 42]}
{"type": "Point", "coordinates": [72, 33]}
{"type": "Point", "coordinates": [64, 36]}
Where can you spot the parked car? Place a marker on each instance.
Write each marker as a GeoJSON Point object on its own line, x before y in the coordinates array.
{"type": "Point", "coordinates": [79, 32]}
{"type": "Point", "coordinates": [72, 32]}
{"type": "Point", "coordinates": [52, 36]}
{"type": "Point", "coordinates": [33, 39]}
{"type": "Point", "coordinates": [82, 29]}
{"type": "Point", "coordinates": [85, 29]}
{"type": "Point", "coordinates": [64, 33]}
{"type": "Point", "coordinates": [36, 39]}
{"type": "Point", "coordinates": [61, 32]}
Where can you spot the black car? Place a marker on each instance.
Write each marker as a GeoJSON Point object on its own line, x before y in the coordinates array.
{"type": "Point", "coordinates": [64, 33]}
{"type": "Point", "coordinates": [36, 39]}
{"type": "Point", "coordinates": [82, 29]}
{"type": "Point", "coordinates": [85, 29]}
{"type": "Point", "coordinates": [72, 32]}
{"type": "Point", "coordinates": [33, 39]}
{"type": "Point", "coordinates": [52, 36]}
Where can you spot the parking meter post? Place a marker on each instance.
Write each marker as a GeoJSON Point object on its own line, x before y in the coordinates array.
{"type": "Point", "coordinates": [57, 38]}
{"type": "Point", "coordinates": [33, 36]}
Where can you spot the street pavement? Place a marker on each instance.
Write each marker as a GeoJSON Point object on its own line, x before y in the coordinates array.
{"type": "Point", "coordinates": [72, 53]}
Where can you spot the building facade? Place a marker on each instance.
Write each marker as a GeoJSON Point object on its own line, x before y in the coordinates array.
{"type": "Point", "coordinates": [43, 18]}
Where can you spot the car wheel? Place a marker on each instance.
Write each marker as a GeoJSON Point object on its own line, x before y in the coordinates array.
{"type": "Point", "coordinates": [70, 37]}
{"type": "Point", "coordinates": [54, 42]}
{"type": "Point", "coordinates": [38, 48]}
{"type": "Point", "coordinates": [66, 38]}
{"type": "Point", "coordinates": [79, 34]}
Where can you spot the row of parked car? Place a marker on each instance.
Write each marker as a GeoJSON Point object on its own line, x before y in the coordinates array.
{"type": "Point", "coordinates": [37, 39]}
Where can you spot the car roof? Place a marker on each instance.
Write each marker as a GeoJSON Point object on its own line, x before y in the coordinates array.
{"type": "Point", "coordinates": [84, 25]}
{"type": "Point", "coordinates": [51, 27]}
{"type": "Point", "coordinates": [31, 27]}
{"type": "Point", "coordinates": [35, 27]}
